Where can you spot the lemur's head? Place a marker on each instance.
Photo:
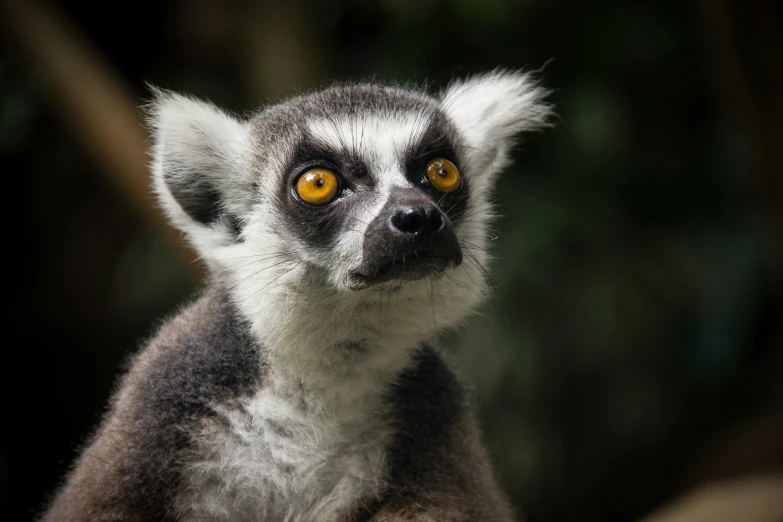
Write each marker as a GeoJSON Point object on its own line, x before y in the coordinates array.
{"type": "Point", "coordinates": [349, 199]}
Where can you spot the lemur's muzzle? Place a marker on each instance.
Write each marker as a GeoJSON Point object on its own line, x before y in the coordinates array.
{"type": "Point", "coordinates": [409, 239]}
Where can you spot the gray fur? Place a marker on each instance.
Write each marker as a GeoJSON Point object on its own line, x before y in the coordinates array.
{"type": "Point", "coordinates": [133, 468]}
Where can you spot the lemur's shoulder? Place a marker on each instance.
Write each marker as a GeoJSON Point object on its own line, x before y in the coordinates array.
{"type": "Point", "coordinates": [200, 358]}
{"type": "Point", "coordinates": [436, 456]}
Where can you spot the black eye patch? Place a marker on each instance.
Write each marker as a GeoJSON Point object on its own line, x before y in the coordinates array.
{"type": "Point", "coordinates": [436, 141]}
{"type": "Point", "coordinates": [320, 226]}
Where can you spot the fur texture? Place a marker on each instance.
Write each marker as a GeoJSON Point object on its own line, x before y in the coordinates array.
{"type": "Point", "coordinates": [288, 393]}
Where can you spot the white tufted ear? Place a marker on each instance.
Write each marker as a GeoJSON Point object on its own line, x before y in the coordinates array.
{"type": "Point", "coordinates": [491, 109]}
{"type": "Point", "coordinates": [201, 167]}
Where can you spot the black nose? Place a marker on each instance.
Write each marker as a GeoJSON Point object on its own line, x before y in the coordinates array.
{"type": "Point", "coordinates": [409, 239]}
{"type": "Point", "coordinates": [418, 221]}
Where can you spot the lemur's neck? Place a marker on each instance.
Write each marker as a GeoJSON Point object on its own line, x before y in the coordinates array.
{"type": "Point", "coordinates": [327, 350]}
{"type": "Point", "coordinates": [329, 377]}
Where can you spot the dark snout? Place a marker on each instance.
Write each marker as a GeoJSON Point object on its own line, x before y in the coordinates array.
{"type": "Point", "coordinates": [409, 239]}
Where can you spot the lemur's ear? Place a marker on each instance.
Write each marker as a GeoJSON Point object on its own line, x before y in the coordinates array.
{"type": "Point", "coordinates": [201, 166]}
{"type": "Point", "coordinates": [491, 109]}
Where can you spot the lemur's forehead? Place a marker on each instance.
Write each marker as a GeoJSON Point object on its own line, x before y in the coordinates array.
{"type": "Point", "coordinates": [362, 99]}
{"type": "Point", "coordinates": [375, 122]}
{"type": "Point", "coordinates": [377, 140]}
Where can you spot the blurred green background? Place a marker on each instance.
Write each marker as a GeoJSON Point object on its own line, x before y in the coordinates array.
{"type": "Point", "coordinates": [634, 348]}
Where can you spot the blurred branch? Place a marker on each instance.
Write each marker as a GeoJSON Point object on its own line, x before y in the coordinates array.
{"type": "Point", "coordinates": [93, 102]}
{"type": "Point", "coordinates": [752, 499]}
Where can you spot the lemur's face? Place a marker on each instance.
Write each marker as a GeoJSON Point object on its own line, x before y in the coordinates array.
{"type": "Point", "coordinates": [367, 183]}
{"type": "Point", "coordinates": [346, 191]}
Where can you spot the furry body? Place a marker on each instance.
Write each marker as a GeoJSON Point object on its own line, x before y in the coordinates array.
{"type": "Point", "coordinates": [302, 386]}
{"type": "Point", "coordinates": [263, 457]}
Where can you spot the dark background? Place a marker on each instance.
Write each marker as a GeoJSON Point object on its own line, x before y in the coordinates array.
{"type": "Point", "coordinates": [634, 349]}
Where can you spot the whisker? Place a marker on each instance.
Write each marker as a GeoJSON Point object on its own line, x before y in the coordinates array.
{"type": "Point", "coordinates": [492, 286]}
{"type": "Point", "coordinates": [254, 255]}
{"type": "Point", "coordinates": [344, 227]}
{"type": "Point", "coordinates": [432, 299]}
{"type": "Point", "coordinates": [380, 308]}
{"type": "Point", "coordinates": [451, 207]}
{"type": "Point", "coordinates": [474, 246]}
{"type": "Point", "coordinates": [340, 226]}
{"type": "Point", "coordinates": [471, 277]}
{"type": "Point", "coordinates": [232, 271]}
{"type": "Point", "coordinates": [474, 211]}
{"type": "Point", "coordinates": [359, 220]}
{"type": "Point", "coordinates": [442, 199]}
{"type": "Point", "coordinates": [474, 237]}
{"type": "Point", "coordinates": [435, 281]}
{"type": "Point", "coordinates": [272, 281]}
{"type": "Point", "coordinates": [258, 272]}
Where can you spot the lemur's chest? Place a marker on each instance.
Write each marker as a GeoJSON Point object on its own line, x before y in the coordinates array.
{"type": "Point", "coordinates": [272, 459]}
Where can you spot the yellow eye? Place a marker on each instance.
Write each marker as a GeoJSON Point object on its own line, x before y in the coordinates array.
{"type": "Point", "coordinates": [444, 175]}
{"type": "Point", "coordinates": [317, 186]}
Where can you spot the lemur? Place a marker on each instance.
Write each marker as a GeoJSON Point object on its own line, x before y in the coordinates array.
{"type": "Point", "coordinates": [342, 229]}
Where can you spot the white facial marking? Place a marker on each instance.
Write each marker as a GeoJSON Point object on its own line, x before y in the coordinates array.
{"type": "Point", "coordinates": [381, 143]}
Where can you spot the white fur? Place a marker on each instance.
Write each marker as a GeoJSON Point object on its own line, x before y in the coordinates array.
{"type": "Point", "coordinates": [333, 352]}
{"type": "Point", "coordinates": [194, 137]}
{"type": "Point", "coordinates": [491, 109]}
